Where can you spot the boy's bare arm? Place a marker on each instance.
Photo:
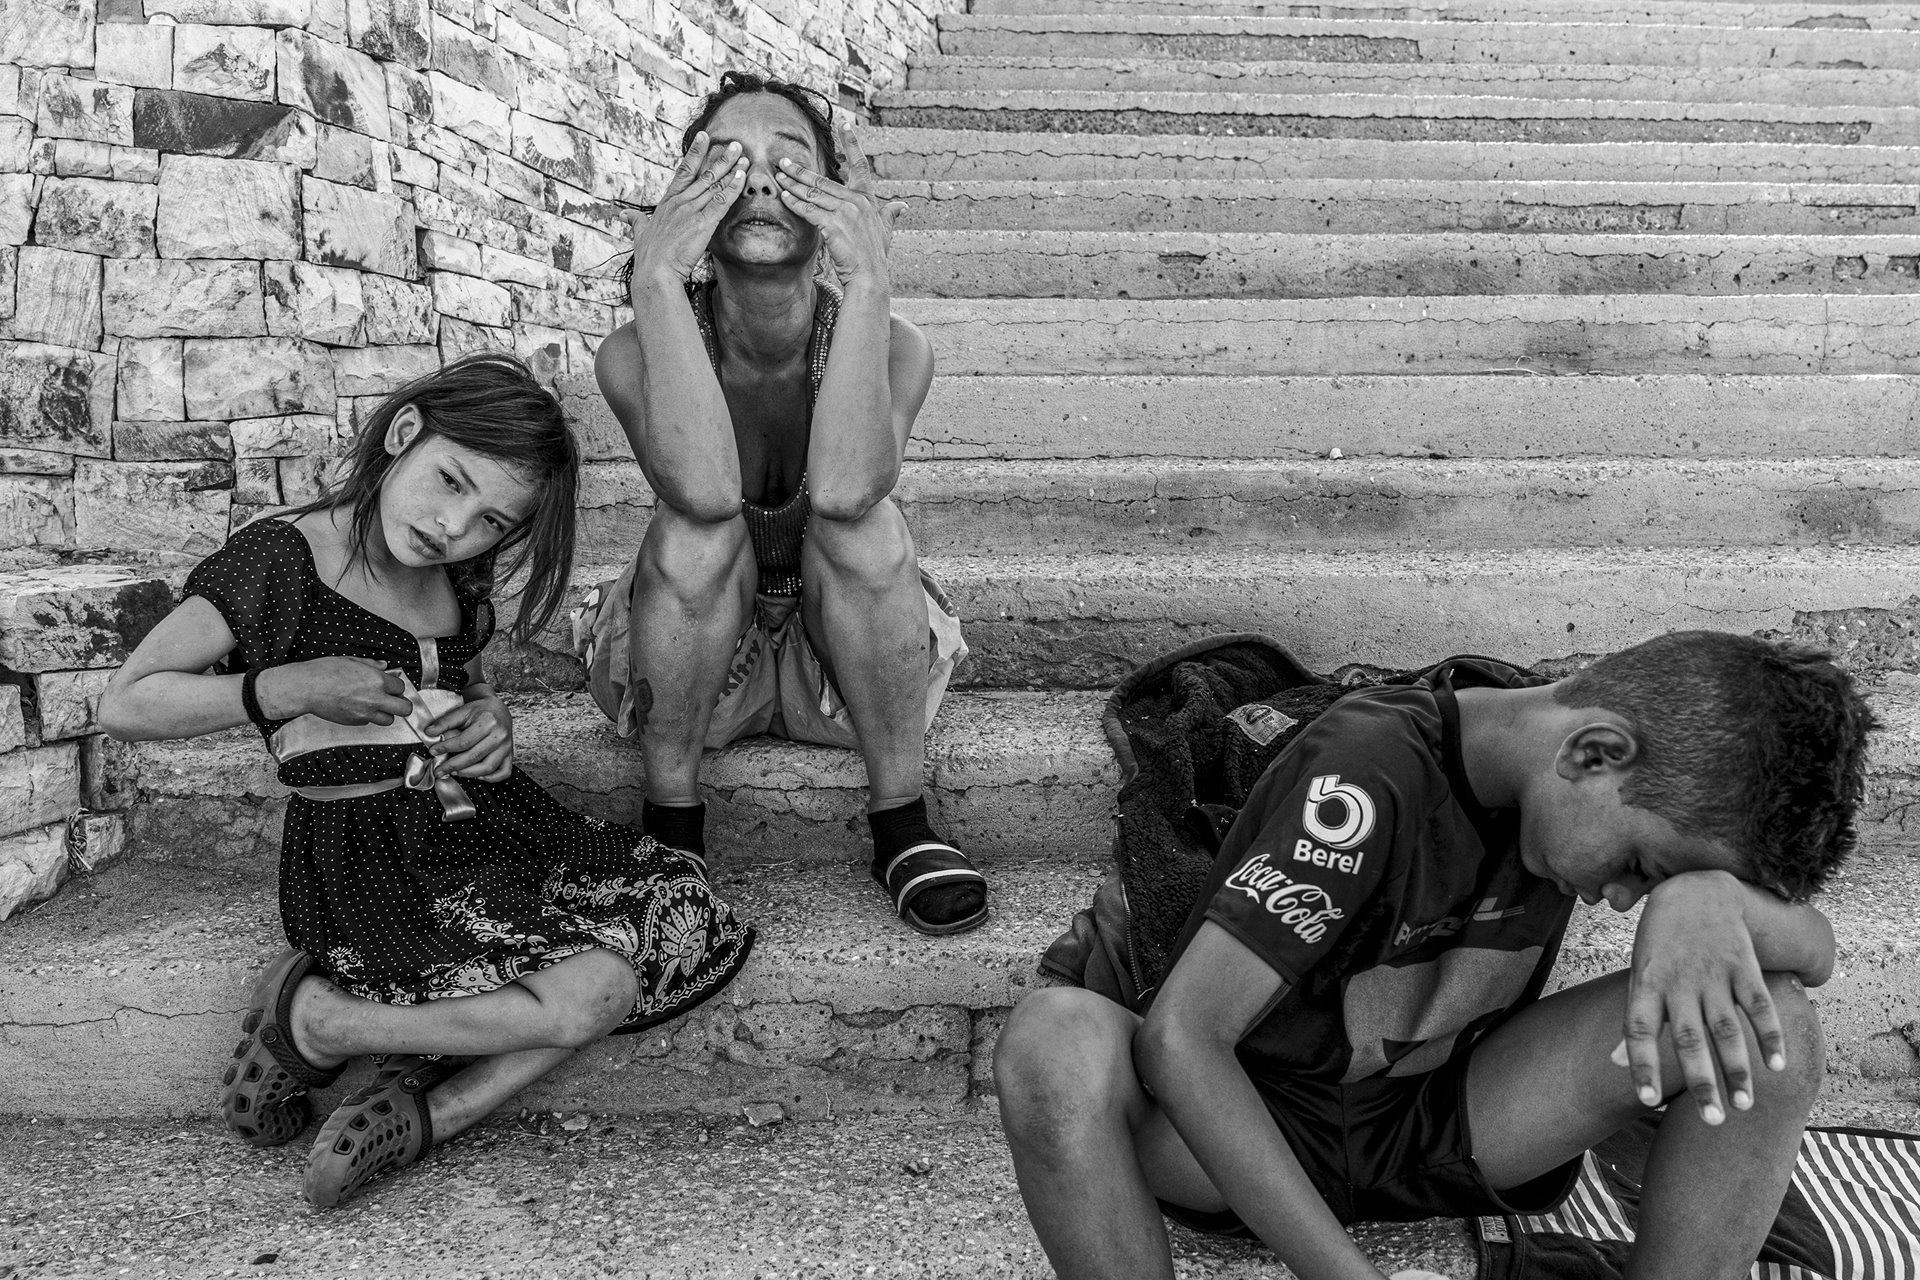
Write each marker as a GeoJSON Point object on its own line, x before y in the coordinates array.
{"type": "Point", "coordinates": [1184, 1053]}
{"type": "Point", "coordinates": [1705, 943]}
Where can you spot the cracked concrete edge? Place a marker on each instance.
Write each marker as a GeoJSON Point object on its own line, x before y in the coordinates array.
{"type": "Point", "coordinates": [1768, 13]}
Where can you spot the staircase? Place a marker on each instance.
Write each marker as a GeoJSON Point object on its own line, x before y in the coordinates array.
{"type": "Point", "coordinates": [1525, 327]}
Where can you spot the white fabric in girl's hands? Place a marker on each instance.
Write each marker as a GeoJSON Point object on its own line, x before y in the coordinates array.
{"type": "Point", "coordinates": [1417, 1274]}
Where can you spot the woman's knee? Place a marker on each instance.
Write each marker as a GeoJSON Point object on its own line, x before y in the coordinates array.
{"type": "Point", "coordinates": [1064, 1052]}
{"type": "Point", "coordinates": [598, 995]}
{"type": "Point", "coordinates": [692, 559]}
{"type": "Point", "coordinates": [873, 545]}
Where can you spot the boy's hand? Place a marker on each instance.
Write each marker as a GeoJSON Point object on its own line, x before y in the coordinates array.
{"type": "Point", "coordinates": [343, 690]}
{"type": "Point", "coordinates": [476, 741]}
{"type": "Point", "coordinates": [704, 186]}
{"type": "Point", "coordinates": [1695, 973]}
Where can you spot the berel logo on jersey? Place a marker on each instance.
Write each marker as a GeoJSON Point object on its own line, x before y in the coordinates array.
{"type": "Point", "coordinates": [1337, 814]}
{"type": "Point", "coordinates": [1305, 908]}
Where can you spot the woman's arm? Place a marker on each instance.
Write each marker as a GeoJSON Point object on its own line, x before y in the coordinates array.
{"type": "Point", "coordinates": [165, 689]}
{"type": "Point", "coordinates": [1185, 1054]}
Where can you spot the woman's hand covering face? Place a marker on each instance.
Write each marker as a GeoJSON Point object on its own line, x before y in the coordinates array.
{"type": "Point", "coordinates": [704, 186]}
{"type": "Point", "coordinates": [856, 225]}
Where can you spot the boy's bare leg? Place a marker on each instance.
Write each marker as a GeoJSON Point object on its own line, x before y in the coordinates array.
{"type": "Point", "coordinates": [692, 597]}
{"type": "Point", "coordinates": [1091, 1151]}
{"type": "Point", "coordinates": [1542, 1088]}
{"type": "Point", "coordinates": [866, 617]}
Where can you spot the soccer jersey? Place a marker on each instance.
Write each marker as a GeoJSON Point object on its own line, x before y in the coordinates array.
{"type": "Point", "coordinates": [1364, 871]}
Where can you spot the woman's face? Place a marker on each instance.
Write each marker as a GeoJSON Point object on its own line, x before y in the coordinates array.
{"type": "Point", "coordinates": [760, 230]}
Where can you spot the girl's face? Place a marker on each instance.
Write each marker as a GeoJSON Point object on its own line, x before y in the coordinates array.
{"type": "Point", "coordinates": [759, 229]}
{"type": "Point", "coordinates": [442, 503]}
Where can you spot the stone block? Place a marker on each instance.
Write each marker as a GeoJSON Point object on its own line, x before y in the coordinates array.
{"type": "Point", "coordinates": [459, 338]}
{"type": "Point", "coordinates": [179, 298]}
{"type": "Point", "coordinates": [171, 441]}
{"type": "Point", "coordinates": [322, 304]}
{"type": "Point", "coordinates": [367, 230]}
{"type": "Point", "coordinates": [13, 725]}
{"type": "Point", "coordinates": [472, 113]}
{"type": "Point", "coordinates": [48, 33]}
{"type": "Point", "coordinates": [516, 181]}
{"type": "Point", "coordinates": [469, 299]}
{"type": "Point", "coordinates": [346, 156]}
{"type": "Point", "coordinates": [34, 462]}
{"type": "Point", "coordinates": [135, 164]}
{"type": "Point", "coordinates": [96, 841]}
{"type": "Point", "coordinates": [227, 62]}
{"type": "Point", "coordinates": [392, 30]}
{"type": "Point", "coordinates": [442, 252]}
{"type": "Point", "coordinates": [328, 20]}
{"type": "Point", "coordinates": [87, 215]}
{"type": "Point", "coordinates": [332, 82]}
{"type": "Point", "coordinates": [9, 268]}
{"type": "Point", "coordinates": [56, 297]}
{"type": "Point", "coordinates": [473, 61]}
{"type": "Point", "coordinates": [293, 435]}
{"type": "Point", "coordinates": [232, 378]}
{"type": "Point", "coordinates": [221, 208]}
{"type": "Point", "coordinates": [16, 145]}
{"type": "Point", "coordinates": [544, 350]}
{"type": "Point", "coordinates": [378, 371]}
{"type": "Point", "coordinates": [38, 785]}
{"type": "Point", "coordinates": [555, 150]}
{"type": "Point", "coordinates": [66, 617]}
{"type": "Point", "coordinates": [138, 54]}
{"type": "Point", "coordinates": [122, 11]}
{"type": "Point", "coordinates": [551, 94]}
{"type": "Point", "coordinates": [256, 482]}
{"type": "Point", "coordinates": [16, 209]}
{"type": "Point", "coordinates": [500, 266]}
{"type": "Point", "coordinates": [68, 702]}
{"type": "Point", "coordinates": [302, 480]}
{"type": "Point", "coordinates": [408, 92]}
{"type": "Point", "coordinates": [152, 372]}
{"type": "Point", "coordinates": [90, 109]}
{"type": "Point", "coordinates": [448, 148]}
{"type": "Point", "coordinates": [199, 124]}
{"type": "Point", "coordinates": [78, 158]}
{"type": "Point", "coordinates": [56, 398]}
{"type": "Point", "coordinates": [233, 13]}
{"type": "Point", "coordinates": [33, 866]}
{"type": "Point", "coordinates": [151, 506]}
{"type": "Point", "coordinates": [36, 510]}
{"type": "Point", "coordinates": [397, 312]}
{"type": "Point", "coordinates": [415, 168]}
{"type": "Point", "coordinates": [109, 773]}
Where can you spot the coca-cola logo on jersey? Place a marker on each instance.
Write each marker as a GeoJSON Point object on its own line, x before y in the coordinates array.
{"type": "Point", "coordinates": [1304, 908]}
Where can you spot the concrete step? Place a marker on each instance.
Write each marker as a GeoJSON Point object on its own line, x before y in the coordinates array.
{"type": "Point", "coordinates": [1074, 621]}
{"type": "Point", "coordinates": [1258, 39]}
{"type": "Point", "coordinates": [1353, 504]}
{"type": "Point", "coordinates": [885, 1197]}
{"type": "Point", "coordinates": [1588, 81]}
{"type": "Point", "coordinates": [1798, 14]}
{"type": "Point", "coordinates": [123, 994]}
{"type": "Point", "coordinates": [1167, 264]}
{"type": "Point", "coordinates": [1384, 206]}
{"type": "Point", "coordinates": [1756, 334]}
{"type": "Point", "coordinates": [983, 155]}
{"type": "Point", "coordinates": [1392, 117]}
{"type": "Point", "coordinates": [1594, 416]}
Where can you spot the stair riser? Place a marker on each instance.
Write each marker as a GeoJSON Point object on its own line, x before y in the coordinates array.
{"type": "Point", "coordinates": [1769, 13]}
{"type": "Point", "coordinates": [1093, 265]}
{"type": "Point", "coordinates": [1566, 82]}
{"type": "Point", "coordinates": [975, 156]}
{"type": "Point", "coordinates": [1761, 335]}
{"type": "Point", "coordinates": [1362, 207]}
{"type": "Point", "coordinates": [1305, 40]}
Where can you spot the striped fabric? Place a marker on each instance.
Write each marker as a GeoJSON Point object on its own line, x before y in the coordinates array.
{"type": "Point", "coordinates": [1865, 1190]}
{"type": "Point", "coordinates": [1591, 1211]}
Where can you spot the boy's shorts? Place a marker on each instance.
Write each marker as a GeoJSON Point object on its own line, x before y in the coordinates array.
{"type": "Point", "coordinates": [775, 683]}
{"type": "Point", "coordinates": [1388, 1149]}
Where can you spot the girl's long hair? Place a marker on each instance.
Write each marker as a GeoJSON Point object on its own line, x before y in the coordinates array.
{"type": "Point", "coordinates": [491, 404]}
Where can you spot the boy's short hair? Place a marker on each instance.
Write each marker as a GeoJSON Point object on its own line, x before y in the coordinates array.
{"type": "Point", "coordinates": [1755, 743]}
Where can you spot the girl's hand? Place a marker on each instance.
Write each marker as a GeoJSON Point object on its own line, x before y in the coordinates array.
{"type": "Point", "coordinates": [668, 244]}
{"type": "Point", "coordinates": [343, 690]}
{"type": "Point", "coordinates": [857, 227]}
{"type": "Point", "coordinates": [476, 741]}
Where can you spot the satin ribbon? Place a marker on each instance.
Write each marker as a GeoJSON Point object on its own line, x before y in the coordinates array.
{"type": "Point", "coordinates": [455, 804]}
{"type": "Point", "coordinates": [309, 733]}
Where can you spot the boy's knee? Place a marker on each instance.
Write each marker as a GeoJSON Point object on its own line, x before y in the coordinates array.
{"type": "Point", "coordinates": [1801, 1038]}
{"type": "Point", "coordinates": [1063, 1051]}
{"type": "Point", "coordinates": [605, 991]}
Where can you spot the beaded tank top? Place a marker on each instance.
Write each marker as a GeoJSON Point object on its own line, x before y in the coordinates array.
{"type": "Point", "coordinates": [777, 532]}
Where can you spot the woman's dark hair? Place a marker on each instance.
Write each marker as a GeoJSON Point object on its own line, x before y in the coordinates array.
{"type": "Point", "coordinates": [488, 403]}
{"type": "Point", "coordinates": [814, 105]}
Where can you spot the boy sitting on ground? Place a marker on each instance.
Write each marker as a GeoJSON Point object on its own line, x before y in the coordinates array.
{"type": "Point", "coordinates": [1351, 1025]}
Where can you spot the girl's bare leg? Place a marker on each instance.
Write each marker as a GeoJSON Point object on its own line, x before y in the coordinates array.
{"type": "Point", "coordinates": [464, 1100]}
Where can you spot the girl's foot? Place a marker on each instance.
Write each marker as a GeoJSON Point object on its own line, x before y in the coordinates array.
{"type": "Point", "coordinates": [385, 1126]}
{"type": "Point", "coordinates": [263, 1098]}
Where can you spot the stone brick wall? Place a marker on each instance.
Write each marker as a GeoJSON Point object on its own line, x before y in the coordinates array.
{"type": "Point", "coordinates": [228, 227]}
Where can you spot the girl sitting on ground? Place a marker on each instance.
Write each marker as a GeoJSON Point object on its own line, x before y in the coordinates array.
{"type": "Point", "coordinates": [417, 863]}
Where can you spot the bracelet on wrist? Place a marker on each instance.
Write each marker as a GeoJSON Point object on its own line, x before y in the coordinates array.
{"type": "Point", "coordinates": [250, 697]}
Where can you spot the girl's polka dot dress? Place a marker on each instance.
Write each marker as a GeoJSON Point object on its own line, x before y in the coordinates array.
{"type": "Point", "coordinates": [399, 905]}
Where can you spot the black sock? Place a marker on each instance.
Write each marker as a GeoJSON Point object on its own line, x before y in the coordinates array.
{"type": "Point", "coordinates": [896, 830]}
{"type": "Point", "coordinates": [678, 826]}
